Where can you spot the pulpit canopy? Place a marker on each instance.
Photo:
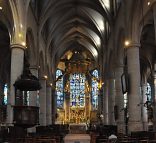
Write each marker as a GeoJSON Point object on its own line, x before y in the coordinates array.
{"type": "Point", "coordinates": [27, 81]}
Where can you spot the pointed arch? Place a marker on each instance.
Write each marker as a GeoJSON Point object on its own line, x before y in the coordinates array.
{"type": "Point", "coordinates": [41, 64]}
{"type": "Point", "coordinates": [31, 50]}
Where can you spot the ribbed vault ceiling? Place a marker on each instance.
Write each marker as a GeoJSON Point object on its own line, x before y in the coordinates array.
{"type": "Point", "coordinates": [67, 24]}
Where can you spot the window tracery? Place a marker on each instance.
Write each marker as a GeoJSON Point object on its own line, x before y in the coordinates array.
{"type": "Point", "coordinates": [59, 89]}
{"type": "Point", "coordinates": [77, 90]}
{"type": "Point", "coordinates": [95, 90]}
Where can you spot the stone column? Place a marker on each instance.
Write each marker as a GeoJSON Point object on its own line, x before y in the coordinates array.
{"type": "Point", "coordinates": [134, 96]}
{"type": "Point", "coordinates": [33, 95]}
{"type": "Point", "coordinates": [54, 105]}
{"type": "Point", "coordinates": [100, 101]}
{"type": "Point", "coordinates": [111, 100]}
{"type": "Point", "coordinates": [119, 100]}
{"type": "Point", "coordinates": [154, 16]}
{"type": "Point", "coordinates": [87, 105]}
{"type": "Point", "coordinates": [105, 106]}
{"type": "Point", "coordinates": [154, 89]}
{"type": "Point", "coordinates": [42, 101]}
{"type": "Point", "coordinates": [49, 105]}
{"type": "Point", "coordinates": [1, 92]}
{"type": "Point", "coordinates": [67, 106]}
{"type": "Point", "coordinates": [154, 74]}
{"type": "Point", "coordinates": [17, 58]}
{"type": "Point", "coordinates": [144, 109]}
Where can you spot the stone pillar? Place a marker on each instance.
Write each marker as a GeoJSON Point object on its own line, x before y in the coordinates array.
{"type": "Point", "coordinates": [105, 106]}
{"type": "Point", "coordinates": [99, 104]}
{"type": "Point", "coordinates": [119, 100]}
{"type": "Point", "coordinates": [134, 96]}
{"type": "Point", "coordinates": [49, 105]}
{"type": "Point", "coordinates": [54, 106]}
{"type": "Point", "coordinates": [42, 101]}
{"type": "Point", "coordinates": [33, 94]}
{"type": "Point", "coordinates": [111, 100]}
{"type": "Point", "coordinates": [67, 106]}
{"type": "Point", "coordinates": [154, 89]}
{"type": "Point", "coordinates": [144, 109]}
{"type": "Point", "coordinates": [1, 92]}
{"type": "Point", "coordinates": [154, 16]}
{"type": "Point", "coordinates": [154, 74]}
{"type": "Point", "coordinates": [17, 58]}
{"type": "Point", "coordinates": [87, 105]}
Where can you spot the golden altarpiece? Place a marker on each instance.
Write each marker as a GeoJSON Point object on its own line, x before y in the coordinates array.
{"type": "Point", "coordinates": [77, 92]}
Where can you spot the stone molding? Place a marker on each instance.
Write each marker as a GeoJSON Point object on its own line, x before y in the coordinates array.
{"type": "Point", "coordinates": [20, 46]}
{"type": "Point", "coordinates": [49, 84]}
{"type": "Point", "coordinates": [33, 67]}
{"type": "Point", "coordinates": [133, 45]}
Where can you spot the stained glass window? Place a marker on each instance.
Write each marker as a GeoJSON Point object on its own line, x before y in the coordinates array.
{"type": "Point", "coordinates": [125, 100]}
{"type": "Point", "coordinates": [77, 90]}
{"type": "Point", "coordinates": [28, 98]}
{"type": "Point", "coordinates": [95, 90]}
{"type": "Point", "coordinates": [148, 92]}
{"type": "Point", "coordinates": [59, 89]}
{"type": "Point", "coordinates": [5, 94]}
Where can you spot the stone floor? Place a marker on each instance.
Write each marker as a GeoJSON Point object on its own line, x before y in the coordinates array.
{"type": "Point", "coordinates": [77, 138]}
{"type": "Point", "coordinates": [77, 134]}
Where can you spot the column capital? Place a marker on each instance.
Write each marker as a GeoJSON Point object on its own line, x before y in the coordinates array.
{"type": "Point", "coordinates": [35, 67]}
{"type": "Point", "coordinates": [110, 76]}
{"type": "Point", "coordinates": [49, 84]}
{"type": "Point", "coordinates": [143, 84]}
{"type": "Point", "coordinates": [154, 75]}
{"type": "Point", "coordinates": [134, 45]}
{"type": "Point", "coordinates": [42, 78]}
{"type": "Point", "coordinates": [153, 6]}
{"type": "Point", "coordinates": [118, 65]}
{"type": "Point", "coordinates": [20, 46]}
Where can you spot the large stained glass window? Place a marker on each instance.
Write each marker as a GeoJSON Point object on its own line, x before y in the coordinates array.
{"type": "Point", "coordinates": [5, 94]}
{"type": "Point", "coordinates": [95, 90]}
{"type": "Point", "coordinates": [148, 92]}
{"type": "Point", "coordinates": [77, 90]}
{"type": "Point", "coordinates": [59, 89]}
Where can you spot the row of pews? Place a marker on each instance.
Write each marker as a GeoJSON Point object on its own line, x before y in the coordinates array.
{"type": "Point", "coordinates": [123, 139]}
{"type": "Point", "coordinates": [101, 134]}
{"type": "Point", "coordinates": [46, 134]}
{"type": "Point", "coordinates": [36, 139]}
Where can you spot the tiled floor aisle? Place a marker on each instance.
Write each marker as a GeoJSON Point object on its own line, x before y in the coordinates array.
{"type": "Point", "coordinates": [77, 138]}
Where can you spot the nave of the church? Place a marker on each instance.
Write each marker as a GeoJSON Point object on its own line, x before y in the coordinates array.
{"type": "Point", "coordinates": [77, 71]}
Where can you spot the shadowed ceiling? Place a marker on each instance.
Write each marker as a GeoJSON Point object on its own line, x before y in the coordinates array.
{"type": "Point", "coordinates": [68, 25]}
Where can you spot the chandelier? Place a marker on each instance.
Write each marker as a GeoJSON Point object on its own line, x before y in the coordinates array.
{"type": "Point", "coordinates": [77, 63]}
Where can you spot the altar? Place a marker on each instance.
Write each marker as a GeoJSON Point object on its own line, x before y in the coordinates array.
{"type": "Point", "coordinates": [77, 128]}
{"type": "Point", "coordinates": [77, 138]}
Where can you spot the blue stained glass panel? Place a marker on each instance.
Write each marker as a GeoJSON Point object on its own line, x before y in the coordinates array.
{"type": "Point", "coordinates": [148, 92]}
{"type": "Point", "coordinates": [5, 100]}
{"type": "Point", "coordinates": [77, 90]}
{"type": "Point", "coordinates": [95, 90]}
{"type": "Point", "coordinates": [59, 89]}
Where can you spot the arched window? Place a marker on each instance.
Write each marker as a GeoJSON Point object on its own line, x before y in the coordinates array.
{"type": "Point", "coordinates": [148, 92]}
{"type": "Point", "coordinates": [27, 102]}
{"type": "Point", "coordinates": [125, 100]}
{"type": "Point", "coordinates": [5, 100]}
{"type": "Point", "coordinates": [95, 90]}
{"type": "Point", "coordinates": [77, 90]}
{"type": "Point", "coordinates": [59, 89]}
